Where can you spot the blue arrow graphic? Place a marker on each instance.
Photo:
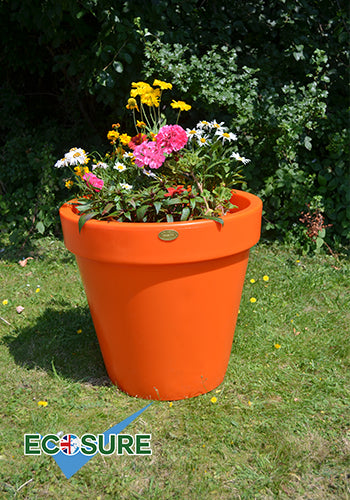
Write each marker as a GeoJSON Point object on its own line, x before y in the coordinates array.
{"type": "Point", "coordinates": [70, 464]}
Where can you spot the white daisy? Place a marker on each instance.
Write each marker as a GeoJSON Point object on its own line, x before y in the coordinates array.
{"type": "Point", "coordinates": [61, 163]}
{"type": "Point", "coordinates": [219, 126]}
{"type": "Point", "coordinates": [119, 166]}
{"type": "Point", "coordinates": [203, 125]}
{"type": "Point", "coordinates": [238, 157]}
{"type": "Point", "coordinates": [76, 156]}
{"type": "Point", "coordinates": [203, 140]}
{"type": "Point", "coordinates": [128, 155]}
{"type": "Point", "coordinates": [149, 174]}
{"type": "Point", "coordinates": [194, 133]}
{"type": "Point", "coordinates": [125, 185]}
{"type": "Point", "coordinates": [226, 136]}
{"type": "Point", "coordinates": [100, 164]}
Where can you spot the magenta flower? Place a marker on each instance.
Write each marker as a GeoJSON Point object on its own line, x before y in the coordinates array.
{"type": "Point", "coordinates": [93, 181]}
{"type": "Point", "coordinates": [171, 138]}
{"type": "Point", "coordinates": [149, 153]}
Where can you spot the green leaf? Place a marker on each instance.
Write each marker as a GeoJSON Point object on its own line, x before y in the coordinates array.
{"type": "Point", "coordinates": [157, 206]}
{"type": "Point", "coordinates": [185, 213]}
{"type": "Point", "coordinates": [107, 208]}
{"type": "Point", "coordinates": [307, 143]}
{"type": "Point", "coordinates": [217, 219]}
{"type": "Point", "coordinates": [140, 212]}
{"type": "Point", "coordinates": [169, 218]}
{"type": "Point", "coordinates": [40, 227]}
{"type": "Point", "coordinates": [84, 218]}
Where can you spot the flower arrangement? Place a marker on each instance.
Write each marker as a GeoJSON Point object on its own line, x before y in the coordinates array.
{"type": "Point", "coordinates": [163, 173]}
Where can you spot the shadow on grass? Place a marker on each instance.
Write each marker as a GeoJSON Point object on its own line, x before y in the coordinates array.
{"type": "Point", "coordinates": [63, 343]}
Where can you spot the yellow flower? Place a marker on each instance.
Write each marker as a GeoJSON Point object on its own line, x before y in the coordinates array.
{"type": "Point", "coordinates": [37, 290]}
{"type": "Point", "coordinates": [125, 139]}
{"type": "Point", "coordinates": [5, 302]}
{"type": "Point", "coordinates": [266, 278]}
{"type": "Point", "coordinates": [69, 184]}
{"type": "Point", "coordinates": [80, 171]}
{"type": "Point", "coordinates": [180, 105]}
{"type": "Point", "coordinates": [132, 104]}
{"type": "Point", "coordinates": [252, 280]}
{"type": "Point", "coordinates": [162, 85]}
{"type": "Point", "coordinates": [170, 404]}
{"type": "Point", "coordinates": [42, 403]}
{"type": "Point", "coordinates": [252, 300]}
{"type": "Point", "coordinates": [112, 136]}
{"type": "Point", "coordinates": [213, 399]}
{"type": "Point", "coordinates": [140, 88]}
{"type": "Point", "coordinates": [79, 331]}
{"type": "Point", "coordinates": [151, 98]}
{"type": "Point", "coordinates": [277, 346]}
{"type": "Point", "coordinates": [140, 124]}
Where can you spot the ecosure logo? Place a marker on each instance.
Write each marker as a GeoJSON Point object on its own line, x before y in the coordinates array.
{"type": "Point", "coordinates": [71, 452]}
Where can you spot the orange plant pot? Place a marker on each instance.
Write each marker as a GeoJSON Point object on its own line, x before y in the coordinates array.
{"type": "Point", "coordinates": [164, 297]}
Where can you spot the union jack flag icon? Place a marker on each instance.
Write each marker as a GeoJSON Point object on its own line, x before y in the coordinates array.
{"type": "Point", "coordinates": [70, 444]}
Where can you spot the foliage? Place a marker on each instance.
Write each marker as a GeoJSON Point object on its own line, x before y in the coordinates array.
{"type": "Point", "coordinates": [276, 72]}
{"type": "Point", "coordinates": [144, 178]}
{"type": "Point", "coordinates": [29, 190]}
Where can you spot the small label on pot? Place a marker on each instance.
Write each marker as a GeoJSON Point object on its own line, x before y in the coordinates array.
{"type": "Point", "coordinates": [168, 235]}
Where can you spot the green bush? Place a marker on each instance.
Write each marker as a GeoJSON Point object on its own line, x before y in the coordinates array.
{"type": "Point", "coordinates": [278, 71]}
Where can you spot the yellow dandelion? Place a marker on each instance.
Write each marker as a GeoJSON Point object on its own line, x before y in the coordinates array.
{"type": "Point", "coordinates": [252, 280]}
{"type": "Point", "coordinates": [37, 289]}
{"type": "Point", "coordinates": [252, 300]}
{"type": "Point", "coordinates": [5, 302]}
{"type": "Point", "coordinates": [214, 399]}
{"type": "Point", "coordinates": [79, 331]}
{"type": "Point", "coordinates": [42, 403]}
{"type": "Point", "coordinates": [170, 404]}
{"type": "Point", "coordinates": [266, 278]}
{"type": "Point", "coordinates": [277, 346]}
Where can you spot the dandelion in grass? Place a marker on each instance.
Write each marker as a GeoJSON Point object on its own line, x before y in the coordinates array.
{"type": "Point", "coordinates": [42, 403]}
{"type": "Point", "coordinates": [213, 399]}
{"type": "Point", "coordinates": [252, 280]}
{"type": "Point", "coordinates": [5, 302]}
{"type": "Point", "coordinates": [266, 278]}
{"type": "Point", "coordinates": [277, 346]}
{"type": "Point", "coordinates": [252, 300]}
{"type": "Point", "coordinates": [170, 404]}
{"type": "Point", "coordinates": [37, 289]}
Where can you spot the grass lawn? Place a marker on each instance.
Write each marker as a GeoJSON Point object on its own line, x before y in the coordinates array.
{"type": "Point", "coordinates": [280, 425]}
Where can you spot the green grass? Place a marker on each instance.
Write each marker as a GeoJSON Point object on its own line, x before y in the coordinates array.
{"type": "Point", "coordinates": [280, 425]}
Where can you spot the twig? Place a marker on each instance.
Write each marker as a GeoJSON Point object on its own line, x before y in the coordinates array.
{"type": "Point", "coordinates": [4, 320]}
{"type": "Point", "coordinates": [24, 484]}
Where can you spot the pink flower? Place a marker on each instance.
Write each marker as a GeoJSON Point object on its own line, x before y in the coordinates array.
{"type": "Point", "coordinates": [94, 181]}
{"type": "Point", "coordinates": [149, 153]}
{"type": "Point", "coordinates": [171, 138]}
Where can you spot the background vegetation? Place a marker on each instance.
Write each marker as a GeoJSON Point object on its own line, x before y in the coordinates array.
{"type": "Point", "coordinates": [276, 71]}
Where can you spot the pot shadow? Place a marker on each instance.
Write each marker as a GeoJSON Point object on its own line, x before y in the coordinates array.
{"type": "Point", "coordinates": [63, 343]}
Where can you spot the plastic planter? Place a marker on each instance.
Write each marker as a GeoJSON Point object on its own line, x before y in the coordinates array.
{"type": "Point", "coordinates": [164, 297]}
